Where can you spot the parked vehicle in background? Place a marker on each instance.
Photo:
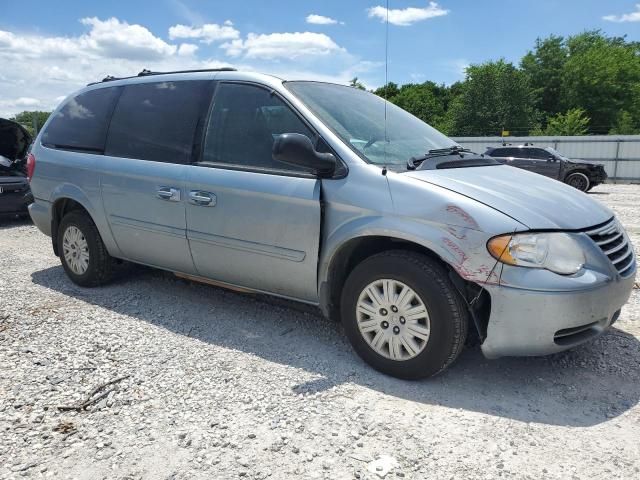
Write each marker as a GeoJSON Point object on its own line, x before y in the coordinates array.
{"type": "Point", "coordinates": [302, 190]}
{"type": "Point", "coordinates": [15, 195]}
{"type": "Point", "coordinates": [546, 161]}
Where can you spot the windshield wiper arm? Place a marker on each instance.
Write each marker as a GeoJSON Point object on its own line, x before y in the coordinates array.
{"type": "Point", "coordinates": [413, 162]}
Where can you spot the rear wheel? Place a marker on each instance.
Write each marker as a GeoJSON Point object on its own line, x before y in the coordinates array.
{"type": "Point", "coordinates": [578, 180]}
{"type": "Point", "coordinates": [84, 257]}
{"type": "Point", "coordinates": [403, 316]}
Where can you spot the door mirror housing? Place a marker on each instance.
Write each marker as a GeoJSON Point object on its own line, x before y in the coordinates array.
{"type": "Point", "coordinates": [552, 158]}
{"type": "Point", "coordinates": [296, 149]}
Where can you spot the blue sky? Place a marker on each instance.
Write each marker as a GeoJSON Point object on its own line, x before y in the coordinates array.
{"type": "Point", "coordinates": [50, 48]}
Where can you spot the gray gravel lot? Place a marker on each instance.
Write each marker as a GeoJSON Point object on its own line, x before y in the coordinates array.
{"type": "Point", "coordinates": [224, 385]}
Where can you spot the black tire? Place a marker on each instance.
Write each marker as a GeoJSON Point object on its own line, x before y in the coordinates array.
{"type": "Point", "coordinates": [100, 268]}
{"type": "Point", "coordinates": [592, 186]}
{"type": "Point", "coordinates": [579, 181]}
{"type": "Point", "coordinates": [447, 312]}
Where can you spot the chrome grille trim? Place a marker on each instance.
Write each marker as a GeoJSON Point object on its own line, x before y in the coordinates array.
{"type": "Point", "coordinates": [618, 260]}
{"type": "Point", "coordinates": [611, 239]}
{"type": "Point", "coordinates": [622, 245]}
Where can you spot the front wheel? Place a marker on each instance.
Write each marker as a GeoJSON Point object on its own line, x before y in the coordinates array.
{"type": "Point", "coordinates": [403, 315]}
{"type": "Point", "coordinates": [578, 180]}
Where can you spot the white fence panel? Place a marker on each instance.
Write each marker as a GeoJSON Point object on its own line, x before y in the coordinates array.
{"type": "Point", "coordinates": [620, 154]}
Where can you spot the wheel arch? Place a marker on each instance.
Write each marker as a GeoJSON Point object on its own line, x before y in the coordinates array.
{"type": "Point", "coordinates": [61, 207]}
{"type": "Point", "coordinates": [358, 248]}
{"type": "Point", "coordinates": [67, 198]}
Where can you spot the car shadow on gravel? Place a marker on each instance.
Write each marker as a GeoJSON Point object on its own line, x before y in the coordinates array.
{"type": "Point", "coordinates": [12, 221]}
{"type": "Point", "coordinates": [583, 387]}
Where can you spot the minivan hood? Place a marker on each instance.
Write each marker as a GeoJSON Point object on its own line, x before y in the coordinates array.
{"type": "Point", "coordinates": [533, 200]}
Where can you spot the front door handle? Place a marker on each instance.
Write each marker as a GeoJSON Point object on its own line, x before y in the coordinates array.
{"type": "Point", "coordinates": [202, 199]}
{"type": "Point", "coordinates": [168, 193]}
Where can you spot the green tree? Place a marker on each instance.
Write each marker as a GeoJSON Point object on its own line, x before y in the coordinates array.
{"type": "Point", "coordinates": [495, 95]}
{"type": "Point", "coordinates": [387, 91]}
{"type": "Point", "coordinates": [573, 122]}
{"type": "Point", "coordinates": [544, 67]}
{"type": "Point", "coordinates": [26, 119]}
{"type": "Point", "coordinates": [355, 83]}
{"type": "Point", "coordinates": [625, 125]}
{"type": "Point", "coordinates": [601, 76]}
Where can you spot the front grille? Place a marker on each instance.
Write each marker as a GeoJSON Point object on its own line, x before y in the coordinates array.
{"type": "Point", "coordinates": [615, 245]}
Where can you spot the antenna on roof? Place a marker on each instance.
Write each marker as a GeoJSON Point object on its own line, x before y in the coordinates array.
{"type": "Point", "coordinates": [386, 86]}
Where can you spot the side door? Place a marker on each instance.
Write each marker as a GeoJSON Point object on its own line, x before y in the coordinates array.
{"type": "Point", "coordinates": [252, 221]}
{"type": "Point", "coordinates": [544, 163]}
{"type": "Point", "coordinates": [143, 175]}
{"type": "Point", "coordinates": [511, 156]}
{"type": "Point", "coordinates": [519, 158]}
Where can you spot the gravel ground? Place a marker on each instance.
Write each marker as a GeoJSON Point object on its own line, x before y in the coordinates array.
{"type": "Point", "coordinates": [223, 385]}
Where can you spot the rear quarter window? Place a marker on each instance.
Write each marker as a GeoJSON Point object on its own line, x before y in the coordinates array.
{"type": "Point", "coordinates": [82, 123]}
{"type": "Point", "coordinates": [158, 121]}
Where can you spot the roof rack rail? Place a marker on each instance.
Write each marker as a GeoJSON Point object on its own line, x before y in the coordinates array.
{"type": "Point", "coordinates": [146, 72]}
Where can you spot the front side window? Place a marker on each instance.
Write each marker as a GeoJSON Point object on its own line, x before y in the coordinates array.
{"type": "Point", "coordinates": [82, 123]}
{"type": "Point", "coordinates": [157, 121]}
{"type": "Point", "coordinates": [539, 154]}
{"type": "Point", "coordinates": [245, 121]}
{"type": "Point", "coordinates": [358, 118]}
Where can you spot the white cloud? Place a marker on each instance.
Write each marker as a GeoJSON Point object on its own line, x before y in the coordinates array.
{"type": "Point", "coordinates": [407, 16]}
{"type": "Point", "coordinates": [27, 101]}
{"type": "Point", "coordinates": [186, 49]}
{"type": "Point", "coordinates": [626, 17]}
{"type": "Point", "coordinates": [207, 33]}
{"type": "Point", "coordinates": [283, 45]}
{"type": "Point", "coordinates": [40, 70]}
{"type": "Point", "coordinates": [114, 38]}
{"type": "Point", "coordinates": [322, 20]}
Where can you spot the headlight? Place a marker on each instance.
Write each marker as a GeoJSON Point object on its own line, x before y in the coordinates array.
{"type": "Point", "coordinates": [557, 252]}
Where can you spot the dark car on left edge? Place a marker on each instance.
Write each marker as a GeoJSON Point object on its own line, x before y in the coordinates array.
{"type": "Point", "coordinates": [546, 161]}
{"type": "Point", "coordinates": [15, 194]}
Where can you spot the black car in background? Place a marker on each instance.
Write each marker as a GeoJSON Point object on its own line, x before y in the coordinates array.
{"type": "Point", "coordinates": [15, 194]}
{"type": "Point", "coordinates": [579, 174]}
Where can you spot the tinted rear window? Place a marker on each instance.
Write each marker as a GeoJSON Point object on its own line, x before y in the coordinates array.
{"type": "Point", "coordinates": [83, 122]}
{"type": "Point", "coordinates": [158, 121]}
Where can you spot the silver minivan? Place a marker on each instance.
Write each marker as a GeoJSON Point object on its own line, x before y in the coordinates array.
{"type": "Point", "coordinates": [327, 195]}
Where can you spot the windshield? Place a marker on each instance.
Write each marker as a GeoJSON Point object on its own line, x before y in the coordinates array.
{"type": "Point", "coordinates": [358, 118]}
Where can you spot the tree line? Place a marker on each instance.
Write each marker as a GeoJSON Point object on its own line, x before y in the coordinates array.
{"type": "Point", "coordinates": [583, 84]}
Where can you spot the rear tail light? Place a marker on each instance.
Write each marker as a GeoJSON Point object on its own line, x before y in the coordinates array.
{"type": "Point", "coordinates": [31, 166]}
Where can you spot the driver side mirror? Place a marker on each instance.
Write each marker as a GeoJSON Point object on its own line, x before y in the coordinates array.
{"type": "Point", "coordinates": [551, 158]}
{"type": "Point", "coordinates": [296, 149]}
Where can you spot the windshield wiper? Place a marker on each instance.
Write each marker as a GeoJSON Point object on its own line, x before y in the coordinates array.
{"type": "Point", "coordinates": [413, 162]}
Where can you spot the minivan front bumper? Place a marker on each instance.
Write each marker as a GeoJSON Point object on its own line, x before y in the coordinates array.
{"type": "Point", "coordinates": [527, 322]}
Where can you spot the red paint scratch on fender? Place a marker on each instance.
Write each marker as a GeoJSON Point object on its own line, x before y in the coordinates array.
{"type": "Point", "coordinates": [468, 219]}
